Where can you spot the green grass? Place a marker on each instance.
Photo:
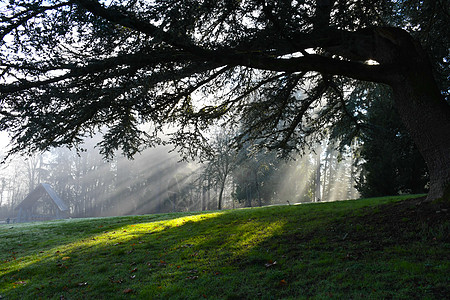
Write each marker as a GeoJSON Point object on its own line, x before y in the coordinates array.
{"type": "Point", "coordinates": [360, 249]}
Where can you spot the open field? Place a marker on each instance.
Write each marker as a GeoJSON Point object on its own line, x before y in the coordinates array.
{"type": "Point", "coordinates": [360, 249]}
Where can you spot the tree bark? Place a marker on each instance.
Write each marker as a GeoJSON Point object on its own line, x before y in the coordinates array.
{"type": "Point", "coordinates": [425, 113]}
{"type": "Point", "coordinates": [427, 118]}
{"type": "Point", "coordinates": [222, 187]}
{"type": "Point", "coordinates": [317, 182]}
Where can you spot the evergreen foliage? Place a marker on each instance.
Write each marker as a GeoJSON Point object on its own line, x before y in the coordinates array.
{"type": "Point", "coordinates": [392, 163]}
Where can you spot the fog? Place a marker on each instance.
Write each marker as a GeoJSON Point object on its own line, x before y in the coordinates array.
{"type": "Point", "coordinates": [155, 181]}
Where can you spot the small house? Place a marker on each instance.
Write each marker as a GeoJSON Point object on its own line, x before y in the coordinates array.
{"type": "Point", "coordinates": [41, 204]}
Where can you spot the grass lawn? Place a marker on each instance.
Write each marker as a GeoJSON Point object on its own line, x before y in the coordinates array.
{"type": "Point", "coordinates": [390, 247]}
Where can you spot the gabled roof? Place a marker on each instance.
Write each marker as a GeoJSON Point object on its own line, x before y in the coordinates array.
{"type": "Point", "coordinates": [38, 192]}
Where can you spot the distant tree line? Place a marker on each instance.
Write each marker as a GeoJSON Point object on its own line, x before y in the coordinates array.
{"type": "Point", "coordinates": [92, 186]}
{"type": "Point", "coordinates": [157, 182]}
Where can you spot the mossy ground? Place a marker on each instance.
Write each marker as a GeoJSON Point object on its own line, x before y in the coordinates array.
{"type": "Point", "coordinates": [388, 247]}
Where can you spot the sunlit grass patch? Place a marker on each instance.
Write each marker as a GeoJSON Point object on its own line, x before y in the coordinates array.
{"type": "Point", "coordinates": [88, 250]}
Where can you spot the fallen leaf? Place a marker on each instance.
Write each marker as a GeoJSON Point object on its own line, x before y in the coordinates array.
{"type": "Point", "coordinates": [119, 281]}
{"type": "Point", "coordinates": [82, 284]}
{"type": "Point", "coordinates": [270, 264]}
{"type": "Point", "coordinates": [283, 282]}
{"type": "Point", "coordinates": [127, 291]}
{"type": "Point", "coordinates": [132, 276]}
{"type": "Point", "coordinates": [134, 270]}
{"type": "Point", "coordinates": [162, 263]}
{"type": "Point", "coordinates": [65, 258]}
{"type": "Point", "coordinates": [192, 277]}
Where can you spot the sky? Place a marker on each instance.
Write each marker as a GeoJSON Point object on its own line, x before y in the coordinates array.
{"type": "Point", "coordinates": [4, 140]}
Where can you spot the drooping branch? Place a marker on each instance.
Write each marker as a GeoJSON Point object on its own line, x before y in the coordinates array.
{"type": "Point", "coordinates": [27, 15]}
{"type": "Point", "coordinates": [299, 116]}
{"type": "Point", "coordinates": [180, 41]}
{"type": "Point", "coordinates": [343, 106]}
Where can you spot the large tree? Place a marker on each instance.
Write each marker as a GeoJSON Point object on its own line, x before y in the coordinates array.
{"type": "Point", "coordinates": [72, 67]}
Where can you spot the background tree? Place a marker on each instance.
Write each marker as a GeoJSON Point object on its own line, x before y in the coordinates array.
{"type": "Point", "coordinates": [220, 159]}
{"type": "Point", "coordinates": [386, 156]}
{"type": "Point", "coordinates": [70, 68]}
{"type": "Point", "coordinates": [255, 178]}
{"type": "Point", "coordinates": [392, 164]}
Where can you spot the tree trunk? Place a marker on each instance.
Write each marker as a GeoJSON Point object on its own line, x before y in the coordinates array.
{"type": "Point", "coordinates": [427, 117]}
{"type": "Point", "coordinates": [317, 177]}
{"type": "Point", "coordinates": [258, 194]}
{"type": "Point", "coordinates": [222, 187]}
{"type": "Point", "coordinates": [203, 198]}
{"type": "Point", "coordinates": [325, 183]}
{"type": "Point", "coordinates": [419, 102]}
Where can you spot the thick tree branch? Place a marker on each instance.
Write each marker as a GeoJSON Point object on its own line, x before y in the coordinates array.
{"type": "Point", "coordinates": [139, 60]}
{"type": "Point", "coordinates": [356, 70]}
{"type": "Point", "coordinates": [317, 63]}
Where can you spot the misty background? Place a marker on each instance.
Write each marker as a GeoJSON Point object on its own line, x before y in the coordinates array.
{"type": "Point", "coordinates": [157, 181]}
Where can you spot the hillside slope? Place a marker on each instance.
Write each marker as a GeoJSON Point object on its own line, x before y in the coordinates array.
{"type": "Point", "coordinates": [372, 248]}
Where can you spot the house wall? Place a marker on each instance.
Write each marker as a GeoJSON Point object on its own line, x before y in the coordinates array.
{"type": "Point", "coordinates": [31, 215]}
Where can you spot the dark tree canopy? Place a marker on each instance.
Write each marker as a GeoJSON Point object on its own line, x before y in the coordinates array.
{"type": "Point", "coordinates": [279, 69]}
